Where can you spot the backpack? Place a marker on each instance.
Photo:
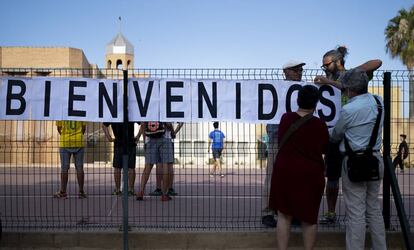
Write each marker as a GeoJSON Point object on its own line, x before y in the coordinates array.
{"type": "Point", "coordinates": [155, 129]}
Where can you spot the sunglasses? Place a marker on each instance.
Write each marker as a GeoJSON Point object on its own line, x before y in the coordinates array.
{"type": "Point", "coordinates": [326, 65]}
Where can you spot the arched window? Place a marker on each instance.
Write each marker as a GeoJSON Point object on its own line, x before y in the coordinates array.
{"type": "Point", "coordinates": [119, 64]}
{"type": "Point", "coordinates": [109, 65]}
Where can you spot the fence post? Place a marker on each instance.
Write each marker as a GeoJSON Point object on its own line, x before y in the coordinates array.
{"type": "Point", "coordinates": [386, 148]}
{"type": "Point", "coordinates": [389, 173]}
{"type": "Point", "coordinates": [125, 163]}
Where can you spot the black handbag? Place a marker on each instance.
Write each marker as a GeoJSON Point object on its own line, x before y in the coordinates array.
{"type": "Point", "coordinates": [363, 165]}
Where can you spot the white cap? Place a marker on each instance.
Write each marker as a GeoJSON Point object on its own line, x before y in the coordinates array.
{"type": "Point", "coordinates": [292, 64]}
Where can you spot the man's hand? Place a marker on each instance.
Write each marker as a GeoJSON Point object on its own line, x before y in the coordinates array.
{"type": "Point", "coordinates": [321, 80]}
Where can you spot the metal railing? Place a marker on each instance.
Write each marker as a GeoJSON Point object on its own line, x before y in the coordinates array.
{"type": "Point", "coordinates": [30, 166]}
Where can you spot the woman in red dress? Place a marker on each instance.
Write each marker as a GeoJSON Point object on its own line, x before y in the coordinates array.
{"type": "Point", "coordinates": [298, 178]}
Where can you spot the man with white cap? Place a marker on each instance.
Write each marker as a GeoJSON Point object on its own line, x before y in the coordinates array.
{"type": "Point", "coordinates": [293, 72]}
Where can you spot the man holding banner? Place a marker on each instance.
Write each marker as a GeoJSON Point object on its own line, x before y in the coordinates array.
{"type": "Point", "coordinates": [293, 72]}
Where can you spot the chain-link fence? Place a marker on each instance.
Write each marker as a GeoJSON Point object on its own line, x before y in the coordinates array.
{"type": "Point", "coordinates": [230, 200]}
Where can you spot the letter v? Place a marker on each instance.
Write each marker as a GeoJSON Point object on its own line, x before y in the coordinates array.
{"type": "Point", "coordinates": [143, 107]}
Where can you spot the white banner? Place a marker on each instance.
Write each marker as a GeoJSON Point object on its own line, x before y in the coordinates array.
{"type": "Point", "coordinates": [153, 99]}
{"type": "Point", "coordinates": [42, 98]}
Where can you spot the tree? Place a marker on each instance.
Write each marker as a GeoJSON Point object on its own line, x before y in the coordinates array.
{"type": "Point", "coordinates": [400, 44]}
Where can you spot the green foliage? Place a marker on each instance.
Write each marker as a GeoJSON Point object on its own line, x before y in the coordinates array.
{"type": "Point", "coordinates": [399, 36]}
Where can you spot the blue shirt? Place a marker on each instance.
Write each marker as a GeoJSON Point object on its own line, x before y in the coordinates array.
{"type": "Point", "coordinates": [356, 122]}
{"type": "Point", "coordinates": [217, 137]}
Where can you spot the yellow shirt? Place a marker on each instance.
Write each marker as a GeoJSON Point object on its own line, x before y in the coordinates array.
{"type": "Point", "coordinates": [71, 135]}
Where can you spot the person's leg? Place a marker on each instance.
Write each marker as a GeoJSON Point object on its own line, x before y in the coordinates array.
{"type": "Point", "coordinates": [332, 191]}
{"type": "Point", "coordinates": [151, 158]}
{"type": "Point", "coordinates": [309, 235]}
{"type": "Point", "coordinates": [401, 164]}
{"type": "Point", "coordinates": [64, 164]}
{"type": "Point", "coordinates": [117, 179]}
{"type": "Point", "coordinates": [158, 176]}
{"type": "Point", "coordinates": [79, 155]}
{"type": "Point", "coordinates": [267, 213]}
{"type": "Point", "coordinates": [373, 213]}
{"type": "Point", "coordinates": [167, 159]}
{"type": "Point", "coordinates": [117, 164]}
{"type": "Point", "coordinates": [219, 167]}
{"type": "Point", "coordinates": [132, 153]}
{"type": "Point", "coordinates": [171, 190]}
{"type": "Point", "coordinates": [215, 160]}
{"type": "Point", "coordinates": [165, 178]}
{"type": "Point", "coordinates": [354, 198]}
{"type": "Point", "coordinates": [171, 171]}
{"type": "Point", "coordinates": [131, 180]}
{"type": "Point", "coordinates": [145, 176]}
{"type": "Point", "coordinates": [283, 230]}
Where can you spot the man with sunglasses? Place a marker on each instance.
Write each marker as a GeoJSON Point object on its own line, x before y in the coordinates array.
{"type": "Point", "coordinates": [333, 64]}
{"type": "Point", "coordinates": [293, 72]}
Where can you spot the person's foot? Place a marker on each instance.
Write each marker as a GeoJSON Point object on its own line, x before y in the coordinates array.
{"type": "Point", "coordinates": [165, 197]}
{"type": "Point", "coordinates": [82, 195]}
{"type": "Point", "coordinates": [117, 192]}
{"type": "Point", "coordinates": [171, 192]}
{"type": "Point", "coordinates": [140, 196]}
{"type": "Point", "coordinates": [269, 221]}
{"type": "Point", "coordinates": [328, 218]}
{"type": "Point", "coordinates": [60, 195]}
{"type": "Point", "coordinates": [222, 175]}
{"type": "Point", "coordinates": [131, 193]}
{"type": "Point", "coordinates": [211, 175]}
{"type": "Point", "coordinates": [156, 192]}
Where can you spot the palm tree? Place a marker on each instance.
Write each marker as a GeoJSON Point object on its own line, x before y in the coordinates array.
{"type": "Point", "coordinates": [400, 43]}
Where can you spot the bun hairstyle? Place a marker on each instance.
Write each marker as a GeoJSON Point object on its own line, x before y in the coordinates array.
{"type": "Point", "coordinates": [338, 54]}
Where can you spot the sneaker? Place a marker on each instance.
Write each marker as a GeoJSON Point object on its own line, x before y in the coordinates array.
{"type": "Point", "coordinates": [211, 175]}
{"type": "Point", "coordinates": [156, 192]}
{"type": "Point", "coordinates": [171, 192]}
{"type": "Point", "coordinates": [117, 192]}
{"type": "Point", "coordinates": [165, 197]}
{"type": "Point", "coordinates": [131, 193]}
{"type": "Point", "coordinates": [140, 196]}
{"type": "Point", "coordinates": [328, 218]}
{"type": "Point", "coordinates": [60, 195]}
{"type": "Point", "coordinates": [222, 176]}
{"type": "Point", "coordinates": [269, 221]}
{"type": "Point", "coordinates": [82, 195]}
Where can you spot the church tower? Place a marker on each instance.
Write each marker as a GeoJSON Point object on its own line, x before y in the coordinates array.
{"type": "Point", "coordinates": [119, 53]}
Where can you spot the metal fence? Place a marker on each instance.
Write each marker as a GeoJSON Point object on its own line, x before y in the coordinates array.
{"type": "Point", "coordinates": [30, 167]}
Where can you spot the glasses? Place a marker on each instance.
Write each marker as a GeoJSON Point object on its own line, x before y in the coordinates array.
{"type": "Point", "coordinates": [326, 65]}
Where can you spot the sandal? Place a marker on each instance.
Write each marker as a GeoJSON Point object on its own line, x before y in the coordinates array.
{"type": "Point", "coordinates": [60, 195]}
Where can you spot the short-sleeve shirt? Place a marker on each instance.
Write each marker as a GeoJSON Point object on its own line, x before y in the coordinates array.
{"type": "Point", "coordinates": [71, 135]}
{"type": "Point", "coordinates": [217, 138]}
{"type": "Point", "coordinates": [119, 129]}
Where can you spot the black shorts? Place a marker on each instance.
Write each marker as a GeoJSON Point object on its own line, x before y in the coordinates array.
{"type": "Point", "coordinates": [132, 153]}
{"type": "Point", "coordinates": [333, 162]}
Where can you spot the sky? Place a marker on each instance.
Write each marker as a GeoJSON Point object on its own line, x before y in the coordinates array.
{"type": "Point", "coordinates": [207, 34]}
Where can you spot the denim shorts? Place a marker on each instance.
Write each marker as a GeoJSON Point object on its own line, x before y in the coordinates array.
{"type": "Point", "coordinates": [66, 153]}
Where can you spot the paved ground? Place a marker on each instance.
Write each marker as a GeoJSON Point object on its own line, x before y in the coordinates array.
{"type": "Point", "coordinates": [203, 203]}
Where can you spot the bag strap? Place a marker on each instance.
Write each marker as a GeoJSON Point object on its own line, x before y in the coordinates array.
{"type": "Point", "coordinates": [295, 126]}
{"type": "Point", "coordinates": [374, 134]}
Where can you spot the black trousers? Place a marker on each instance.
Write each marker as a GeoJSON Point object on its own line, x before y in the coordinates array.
{"type": "Point", "coordinates": [398, 161]}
